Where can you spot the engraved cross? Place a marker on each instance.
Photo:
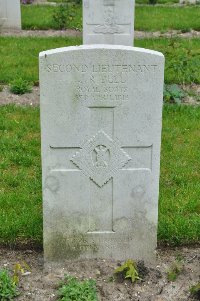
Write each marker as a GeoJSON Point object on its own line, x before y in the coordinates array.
{"type": "Point", "coordinates": [101, 158]}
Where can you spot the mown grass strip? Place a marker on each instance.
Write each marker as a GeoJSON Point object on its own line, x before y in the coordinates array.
{"type": "Point", "coordinates": [167, 18]}
{"type": "Point", "coordinates": [20, 176]}
{"type": "Point", "coordinates": [179, 210]}
{"type": "Point", "coordinates": [19, 56]}
{"type": "Point", "coordinates": [148, 18]}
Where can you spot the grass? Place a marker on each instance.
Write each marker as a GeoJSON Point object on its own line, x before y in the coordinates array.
{"type": "Point", "coordinates": [74, 289]}
{"type": "Point", "coordinates": [41, 17]}
{"type": "Point", "coordinates": [167, 18]}
{"type": "Point", "coordinates": [149, 18]}
{"type": "Point", "coordinates": [8, 288]}
{"type": "Point", "coordinates": [19, 57]}
{"type": "Point", "coordinates": [20, 176]}
{"type": "Point", "coordinates": [175, 269]}
{"type": "Point", "coordinates": [179, 219]}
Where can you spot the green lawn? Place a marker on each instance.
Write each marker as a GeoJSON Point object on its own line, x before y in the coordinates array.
{"type": "Point", "coordinates": [179, 211]}
{"type": "Point", "coordinates": [167, 18]}
{"type": "Point", "coordinates": [40, 17]}
{"type": "Point", "coordinates": [149, 18]}
{"type": "Point", "coordinates": [20, 176]}
{"type": "Point", "coordinates": [19, 56]}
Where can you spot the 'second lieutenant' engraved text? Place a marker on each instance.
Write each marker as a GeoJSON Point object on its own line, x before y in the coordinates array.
{"type": "Point", "coordinates": [103, 68]}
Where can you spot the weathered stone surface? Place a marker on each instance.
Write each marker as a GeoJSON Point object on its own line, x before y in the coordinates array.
{"type": "Point", "coordinates": [101, 110]}
{"type": "Point", "coordinates": [108, 22]}
{"type": "Point", "coordinates": [10, 14]}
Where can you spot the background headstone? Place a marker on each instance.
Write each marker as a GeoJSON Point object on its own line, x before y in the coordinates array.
{"type": "Point", "coordinates": [10, 14]}
{"type": "Point", "coordinates": [42, 2]}
{"type": "Point", "coordinates": [108, 22]}
{"type": "Point", "coordinates": [188, 1]}
{"type": "Point", "coordinates": [101, 110]}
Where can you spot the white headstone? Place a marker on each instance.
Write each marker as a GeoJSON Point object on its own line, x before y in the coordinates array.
{"type": "Point", "coordinates": [188, 1]}
{"type": "Point", "coordinates": [41, 2]}
{"type": "Point", "coordinates": [10, 14]}
{"type": "Point", "coordinates": [101, 110]}
{"type": "Point", "coordinates": [108, 22]}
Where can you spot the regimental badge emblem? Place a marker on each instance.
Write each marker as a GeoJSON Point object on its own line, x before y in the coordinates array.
{"type": "Point", "coordinates": [100, 158]}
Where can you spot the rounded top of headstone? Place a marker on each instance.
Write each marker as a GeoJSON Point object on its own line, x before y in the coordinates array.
{"type": "Point", "coordinates": [100, 47]}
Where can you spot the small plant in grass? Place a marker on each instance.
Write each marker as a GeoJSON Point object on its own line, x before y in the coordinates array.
{"type": "Point", "coordinates": [174, 270]}
{"type": "Point", "coordinates": [195, 291]}
{"type": "Point", "coordinates": [152, 2]}
{"type": "Point", "coordinates": [1, 88]}
{"type": "Point", "coordinates": [128, 270]}
{"type": "Point", "coordinates": [183, 64]}
{"type": "Point", "coordinates": [8, 287]}
{"type": "Point", "coordinates": [173, 94]}
{"type": "Point", "coordinates": [73, 289]}
{"type": "Point", "coordinates": [61, 16]}
{"type": "Point", "coordinates": [184, 30]}
{"type": "Point", "coordinates": [20, 86]}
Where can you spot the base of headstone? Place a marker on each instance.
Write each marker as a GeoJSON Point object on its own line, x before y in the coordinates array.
{"type": "Point", "coordinates": [188, 1]}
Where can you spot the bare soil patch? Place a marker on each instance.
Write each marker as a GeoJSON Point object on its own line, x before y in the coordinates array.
{"type": "Point", "coordinates": [41, 33]}
{"type": "Point", "coordinates": [78, 33]}
{"type": "Point", "coordinates": [167, 34]}
{"type": "Point", "coordinates": [30, 99]}
{"type": "Point", "coordinates": [42, 283]}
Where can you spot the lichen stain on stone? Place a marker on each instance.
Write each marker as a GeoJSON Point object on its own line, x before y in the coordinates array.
{"type": "Point", "coordinates": [144, 229]}
{"type": "Point", "coordinates": [123, 224]}
{"type": "Point", "coordinates": [52, 183]}
{"type": "Point", "coordinates": [71, 246]}
{"type": "Point", "coordinates": [75, 98]}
